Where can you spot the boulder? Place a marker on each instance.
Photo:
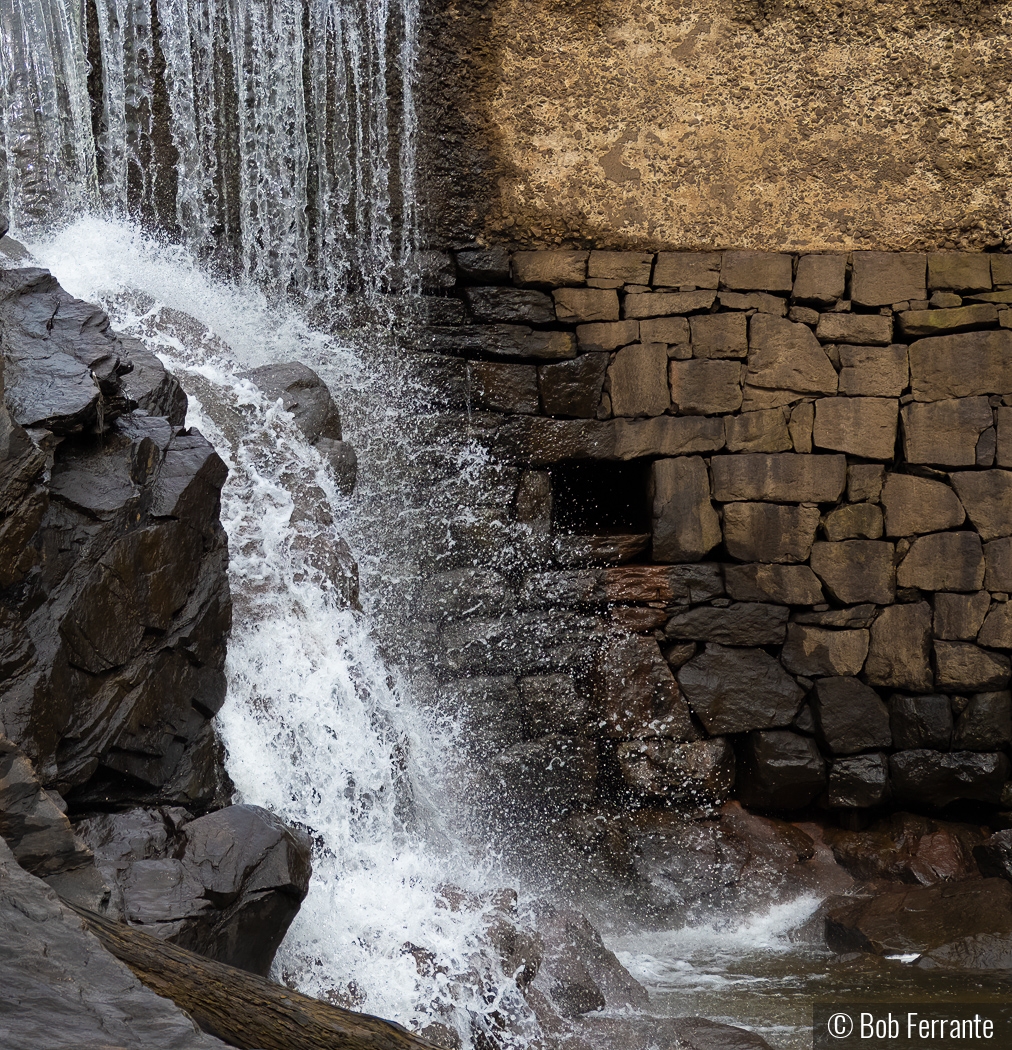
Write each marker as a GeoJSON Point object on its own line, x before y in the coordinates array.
{"type": "Point", "coordinates": [610, 335]}
{"type": "Point", "coordinates": [864, 482]}
{"type": "Point", "coordinates": [945, 433]}
{"type": "Point", "coordinates": [862, 426]}
{"type": "Point", "coordinates": [862, 330]}
{"type": "Point", "coordinates": [572, 388]}
{"type": "Point", "coordinates": [958, 617]}
{"type": "Point", "coordinates": [781, 478]}
{"type": "Point", "coordinates": [996, 631]}
{"type": "Point", "coordinates": [685, 525]}
{"type": "Point", "coordinates": [585, 305]}
{"type": "Point", "coordinates": [675, 269]}
{"type": "Point", "coordinates": [849, 717]}
{"type": "Point", "coordinates": [735, 690]}
{"type": "Point", "coordinates": [915, 505]}
{"type": "Point", "coordinates": [697, 773]}
{"type": "Point", "coordinates": [672, 331]}
{"type": "Point", "coordinates": [915, 323]}
{"type": "Point", "coordinates": [700, 388]}
{"type": "Point", "coordinates": [883, 278]}
{"type": "Point", "coordinates": [503, 387]}
{"type": "Point", "coordinates": [757, 271]}
{"type": "Point", "coordinates": [742, 623]}
{"type": "Point", "coordinates": [627, 267]}
{"type": "Point", "coordinates": [856, 570]}
{"type": "Point", "coordinates": [497, 305]}
{"type": "Point", "coordinates": [959, 271]}
{"type": "Point", "coordinates": [552, 775]}
{"type": "Point", "coordinates": [719, 335]}
{"type": "Point", "coordinates": [664, 304]}
{"type": "Point", "coordinates": [854, 521]}
{"type": "Point", "coordinates": [873, 371]}
{"type": "Point", "coordinates": [985, 723]}
{"type": "Point", "coordinates": [815, 651]}
{"type": "Point", "coordinates": [549, 269]}
{"type": "Point", "coordinates": [779, 769]}
{"type": "Point", "coordinates": [943, 561]}
{"type": "Point", "coordinates": [987, 497]}
{"type": "Point", "coordinates": [961, 366]}
{"type": "Point", "coordinates": [936, 778]}
{"type": "Point", "coordinates": [858, 782]}
{"type": "Point", "coordinates": [787, 584]}
{"type": "Point", "coordinates": [785, 355]}
{"type": "Point", "coordinates": [961, 667]}
{"type": "Point", "coordinates": [763, 431]}
{"type": "Point", "coordinates": [303, 393]}
{"type": "Point", "coordinates": [820, 279]}
{"type": "Point", "coordinates": [154, 389]}
{"type": "Point", "coordinates": [921, 722]}
{"type": "Point", "coordinates": [900, 648]}
{"type": "Point", "coordinates": [769, 532]}
{"type": "Point", "coordinates": [637, 378]}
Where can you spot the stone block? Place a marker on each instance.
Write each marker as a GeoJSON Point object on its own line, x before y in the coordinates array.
{"type": "Point", "coordinates": [702, 388]}
{"type": "Point", "coordinates": [675, 269]}
{"type": "Point", "coordinates": [719, 335]}
{"type": "Point", "coordinates": [987, 447]}
{"type": "Point", "coordinates": [785, 477]}
{"type": "Point", "coordinates": [786, 356]}
{"type": "Point", "coordinates": [921, 721]}
{"type": "Point", "coordinates": [987, 497]}
{"type": "Point", "coordinates": [936, 779]}
{"type": "Point", "coordinates": [583, 305]}
{"type": "Point", "coordinates": [821, 278]}
{"type": "Point", "coordinates": [884, 278]}
{"type": "Point", "coordinates": [856, 570]}
{"type": "Point", "coordinates": [858, 782]}
{"type": "Point", "coordinates": [779, 769]}
{"type": "Point", "coordinates": [915, 324]}
{"type": "Point", "coordinates": [815, 651]}
{"type": "Point", "coordinates": [769, 532]}
{"type": "Point", "coordinates": [550, 269]}
{"type": "Point", "coordinates": [959, 271]}
{"type": "Point", "coordinates": [666, 436]}
{"type": "Point", "coordinates": [855, 616]}
{"type": "Point", "coordinates": [573, 388]}
{"type": "Point", "coordinates": [665, 304]}
{"type": "Point", "coordinates": [961, 667]}
{"type": "Point", "coordinates": [510, 305]}
{"type": "Point", "coordinates": [637, 695]}
{"type": "Point", "coordinates": [672, 331]}
{"type": "Point", "coordinates": [957, 366]}
{"type": "Point", "coordinates": [484, 265]}
{"type": "Point", "coordinates": [610, 335]}
{"type": "Point", "coordinates": [749, 271]}
{"type": "Point", "coordinates": [627, 267]}
{"type": "Point", "coordinates": [497, 340]}
{"type": "Point", "coordinates": [764, 431]}
{"type": "Point", "coordinates": [703, 771]}
{"type": "Point", "coordinates": [873, 371]}
{"type": "Point", "coordinates": [996, 632]}
{"type": "Point", "coordinates": [985, 724]}
{"type": "Point", "coordinates": [804, 314]}
{"type": "Point", "coordinates": [741, 623]}
{"type": "Point", "coordinates": [761, 301]}
{"type": "Point", "coordinates": [943, 561]}
{"type": "Point", "coordinates": [800, 426]}
{"type": "Point", "coordinates": [856, 521]}
{"type": "Point", "coordinates": [958, 617]}
{"type": "Point", "coordinates": [864, 482]}
{"type": "Point", "coordinates": [662, 583]}
{"type": "Point", "coordinates": [849, 716]}
{"type": "Point", "coordinates": [787, 584]}
{"type": "Point", "coordinates": [858, 329]}
{"type": "Point", "coordinates": [734, 690]}
{"type": "Point", "coordinates": [503, 387]}
{"type": "Point", "coordinates": [998, 565]}
{"type": "Point", "coordinates": [685, 525]}
{"type": "Point", "coordinates": [945, 433]}
{"type": "Point", "coordinates": [862, 426]}
{"type": "Point", "coordinates": [552, 703]}
{"type": "Point", "coordinates": [900, 649]}
{"type": "Point", "coordinates": [637, 377]}
{"type": "Point", "coordinates": [915, 505]}
{"type": "Point", "coordinates": [566, 587]}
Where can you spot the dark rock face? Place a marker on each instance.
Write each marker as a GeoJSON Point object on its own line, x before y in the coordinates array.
{"type": "Point", "coordinates": [226, 885]}
{"type": "Point", "coordinates": [114, 604]}
{"type": "Point", "coordinates": [940, 778]}
{"type": "Point", "coordinates": [780, 770]}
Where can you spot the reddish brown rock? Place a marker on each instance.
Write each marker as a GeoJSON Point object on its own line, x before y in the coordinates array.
{"type": "Point", "coordinates": [779, 769]}
{"type": "Point", "coordinates": [583, 305]}
{"type": "Point", "coordinates": [788, 584]}
{"type": "Point", "coordinates": [549, 269]}
{"type": "Point", "coordinates": [859, 329]}
{"type": "Point", "coordinates": [961, 667]}
{"type": "Point", "coordinates": [786, 356]}
{"type": "Point", "coordinates": [697, 772]}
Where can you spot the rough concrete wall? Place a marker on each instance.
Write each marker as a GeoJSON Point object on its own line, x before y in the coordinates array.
{"type": "Point", "coordinates": [805, 124]}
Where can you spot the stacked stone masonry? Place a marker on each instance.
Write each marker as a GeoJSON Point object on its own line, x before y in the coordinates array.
{"type": "Point", "coordinates": [809, 597]}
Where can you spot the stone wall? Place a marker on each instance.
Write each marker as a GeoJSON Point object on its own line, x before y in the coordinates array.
{"type": "Point", "coordinates": [776, 493]}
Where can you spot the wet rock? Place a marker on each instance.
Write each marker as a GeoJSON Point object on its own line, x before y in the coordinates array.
{"type": "Point", "coordinates": [945, 433]}
{"type": "Point", "coordinates": [573, 388]}
{"type": "Point", "coordinates": [921, 722]}
{"type": "Point", "coordinates": [961, 366]}
{"type": "Point", "coordinates": [638, 380]}
{"type": "Point", "coordinates": [784, 355]}
{"type": "Point", "coordinates": [458, 593]}
{"type": "Point", "coordinates": [961, 667]}
{"type": "Point", "coordinates": [735, 690]}
{"type": "Point", "coordinates": [943, 561]}
{"type": "Point", "coordinates": [549, 269]}
{"type": "Point", "coordinates": [769, 532]}
{"type": "Point", "coordinates": [916, 505]}
{"type": "Point", "coordinates": [779, 769]}
{"type": "Point", "coordinates": [914, 323]}
{"type": "Point", "coordinates": [858, 782]}
{"type": "Point", "coordinates": [937, 778]}
{"type": "Point", "coordinates": [849, 717]}
{"type": "Point", "coordinates": [610, 335]}
{"type": "Point", "coordinates": [987, 497]}
{"type": "Point", "coordinates": [883, 278]}
{"type": "Point", "coordinates": [787, 584]}
{"type": "Point", "coordinates": [687, 1033]}
{"type": "Point", "coordinates": [696, 772]}
{"type": "Point", "coordinates": [489, 709]}
{"type": "Point", "coordinates": [742, 623]}
{"type": "Point", "coordinates": [856, 570]}
{"type": "Point", "coordinates": [872, 371]}
{"type": "Point", "coordinates": [510, 305]}
{"type": "Point", "coordinates": [685, 524]}
{"type": "Point", "coordinates": [764, 431]}
{"type": "Point", "coordinates": [663, 583]}
{"type": "Point", "coordinates": [705, 387]}
{"type": "Point", "coordinates": [674, 269]}
{"type": "Point", "coordinates": [820, 278]}
{"type": "Point", "coordinates": [719, 335]}
{"type": "Point", "coordinates": [303, 393]}
{"type": "Point", "coordinates": [584, 305]}
{"type": "Point", "coordinates": [958, 617]}
{"type": "Point", "coordinates": [496, 341]}
{"type": "Point", "coordinates": [994, 857]}
{"type": "Point", "coordinates": [504, 387]}
{"type": "Point", "coordinates": [985, 723]}
{"type": "Point", "coordinates": [553, 774]}
{"type": "Point", "coordinates": [960, 271]}
{"type": "Point", "coordinates": [852, 522]}
{"type": "Point", "coordinates": [552, 703]}
{"type": "Point", "coordinates": [782, 478]}
{"type": "Point", "coordinates": [151, 387]}
{"type": "Point", "coordinates": [814, 651]}
{"type": "Point", "coordinates": [900, 648]}
{"type": "Point", "coordinates": [757, 272]}
{"type": "Point", "coordinates": [484, 264]}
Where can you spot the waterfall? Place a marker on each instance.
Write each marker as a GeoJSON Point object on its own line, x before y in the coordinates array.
{"type": "Point", "coordinates": [273, 137]}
